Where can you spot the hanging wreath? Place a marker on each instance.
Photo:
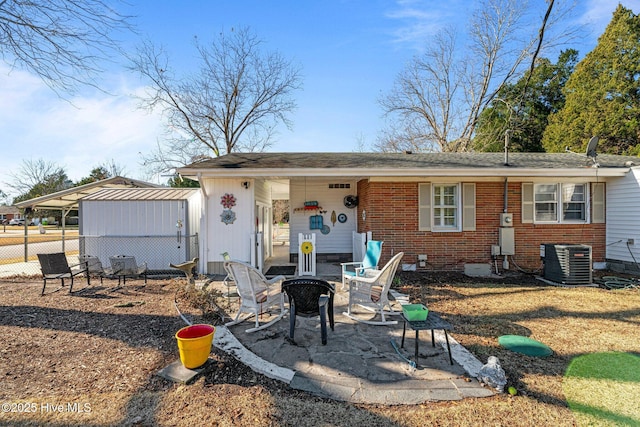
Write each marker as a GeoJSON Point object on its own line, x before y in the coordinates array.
{"type": "Point", "coordinates": [306, 247]}
{"type": "Point", "coordinates": [228, 201]}
{"type": "Point", "coordinates": [228, 216]}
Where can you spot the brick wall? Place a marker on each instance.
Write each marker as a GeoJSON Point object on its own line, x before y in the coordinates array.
{"type": "Point", "coordinates": [392, 216]}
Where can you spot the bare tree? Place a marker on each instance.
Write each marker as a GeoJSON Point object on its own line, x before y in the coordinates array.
{"type": "Point", "coordinates": [112, 168]}
{"type": "Point", "coordinates": [36, 178]}
{"type": "Point", "coordinates": [393, 140]}
{"type": "Point", "coordinates": [62, 41]}
{"type": "Point", "coordinates": [233, 103]}
{"type": "Point", "coordinates": [438, 98]}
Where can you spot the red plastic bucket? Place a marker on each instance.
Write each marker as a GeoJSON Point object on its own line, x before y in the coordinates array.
{"type": "Point", "coordinates": [194, 344]}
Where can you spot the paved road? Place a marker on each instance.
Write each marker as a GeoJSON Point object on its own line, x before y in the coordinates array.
{"type": "Point", "coordinates": [17, 251]}
{"type": "Point", "coordinates": [16, 254]}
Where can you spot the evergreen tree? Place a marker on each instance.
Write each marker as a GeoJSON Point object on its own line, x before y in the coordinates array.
{"type": "Point", "coordinates": [181, 182]}
{"type": "Point", "coordinates": [97, 174]}
{"type": "Point", "coordinates": [603, 94]}
{"type": "Point", "coordinates": [524, 111]}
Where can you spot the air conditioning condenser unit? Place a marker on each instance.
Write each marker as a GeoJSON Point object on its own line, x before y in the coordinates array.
{"type": "Point", "coordinates": [567, 264]}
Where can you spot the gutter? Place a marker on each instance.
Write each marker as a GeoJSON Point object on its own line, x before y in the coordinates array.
{"type": "Point", "coordinates": [417, 172]}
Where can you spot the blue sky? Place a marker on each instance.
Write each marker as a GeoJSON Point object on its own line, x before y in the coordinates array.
{"type": "Point", "coordinates": [349, 51]}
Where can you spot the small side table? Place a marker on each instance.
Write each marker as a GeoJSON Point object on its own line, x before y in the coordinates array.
{"type": "Point", "coordinates": [432, 322]}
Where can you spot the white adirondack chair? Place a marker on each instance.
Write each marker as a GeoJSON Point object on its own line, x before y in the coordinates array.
{"type": "Point", "coordinates": [371, 292]}
{"type": "Point", "coordinates": [257, 294]}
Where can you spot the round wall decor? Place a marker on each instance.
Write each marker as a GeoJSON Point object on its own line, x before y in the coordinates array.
{"type": "Point", "coordinates": [342, 218]}
{"type": "Point", "coordinates": [228, 216]}
{"type": "Point", "coordinates": [228, 201]}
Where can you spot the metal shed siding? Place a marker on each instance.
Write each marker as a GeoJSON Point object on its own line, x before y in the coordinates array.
{"type": "Point", "coordinates": [339, 239]}
{"type": "Point", "coordinates": [145, 228]}
{"type": "Point", "coordinates": [623, 205]}
{"type": "Point", "coordinates": [132, 217]}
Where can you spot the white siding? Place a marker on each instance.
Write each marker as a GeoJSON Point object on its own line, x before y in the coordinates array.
{"type": "Point", "coordinates": [262, 193]}
{"type": "Point", "coordinates": [330, 199]}
{"type": "Point", "coordinates": [232, 238]}
{"type": "Point", "coordinates": [623, 205]}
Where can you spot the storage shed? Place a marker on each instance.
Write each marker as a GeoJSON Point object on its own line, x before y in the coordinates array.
{"type": "Point", "coordinates": [158, 226]}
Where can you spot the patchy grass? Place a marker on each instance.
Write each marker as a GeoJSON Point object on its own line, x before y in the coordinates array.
{"type": "Point", "coordinates": [603, 388]}
{"type": "Point", "coordinates": [102, 347]}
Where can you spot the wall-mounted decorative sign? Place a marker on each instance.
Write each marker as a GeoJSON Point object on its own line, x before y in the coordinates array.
{"type": "Point", "coordinates": [311, 209]}
{"type": "Point", "coordinates": [228, 216]}
{"type": "Point", "coordinates": [228, 201]}
{"type": "Point", "coordinates": [315, 222]}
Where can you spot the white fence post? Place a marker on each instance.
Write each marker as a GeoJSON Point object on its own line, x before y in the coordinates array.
{"type": "Point", "coordinates": [359, 243]}
{"type": "Point", "coordinates": [307, 254]}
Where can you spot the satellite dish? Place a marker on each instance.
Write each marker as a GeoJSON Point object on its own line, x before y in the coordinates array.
{"type": "Point", "coordinates": [350, 201]}
{"type": "Point", "coordinates": [591, 147]}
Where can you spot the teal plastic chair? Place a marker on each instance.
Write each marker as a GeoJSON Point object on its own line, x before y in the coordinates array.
{"type": "Point", "coordinates": [370, 262]}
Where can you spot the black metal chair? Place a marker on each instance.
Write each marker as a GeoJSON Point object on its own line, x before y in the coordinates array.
{"type": "Point", "coordinates": [309, 298]}
{"type": "Point", "coordinates": [55, 266]}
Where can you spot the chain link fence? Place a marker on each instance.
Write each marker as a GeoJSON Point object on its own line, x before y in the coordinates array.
{"type": "Point", "coordinates": [20, 257]}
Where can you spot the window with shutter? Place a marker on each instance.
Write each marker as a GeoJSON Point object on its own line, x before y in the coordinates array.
{"type": "Point", "coordinates": [444, 207]}
{"type": "Point", "coordinates": [555, 203]}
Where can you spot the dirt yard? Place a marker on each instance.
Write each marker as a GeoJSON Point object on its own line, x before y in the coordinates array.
{"type": "Point", "coordinates": [91, 358]}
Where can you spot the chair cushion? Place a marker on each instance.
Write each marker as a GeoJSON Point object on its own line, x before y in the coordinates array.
{"type": "Point", "coordinates": [262, 296]}
{"type": "Point", "coordinates": [376, 291]}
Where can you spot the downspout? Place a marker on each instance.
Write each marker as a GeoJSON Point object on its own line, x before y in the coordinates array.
{"type": "Point", "coordinates": [204, 228]}
{"type": "Point", "coordinates": [506, 195]}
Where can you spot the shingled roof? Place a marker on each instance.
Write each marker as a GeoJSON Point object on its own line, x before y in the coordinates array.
{"type": "Point", "coordinates": [394, 164]}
